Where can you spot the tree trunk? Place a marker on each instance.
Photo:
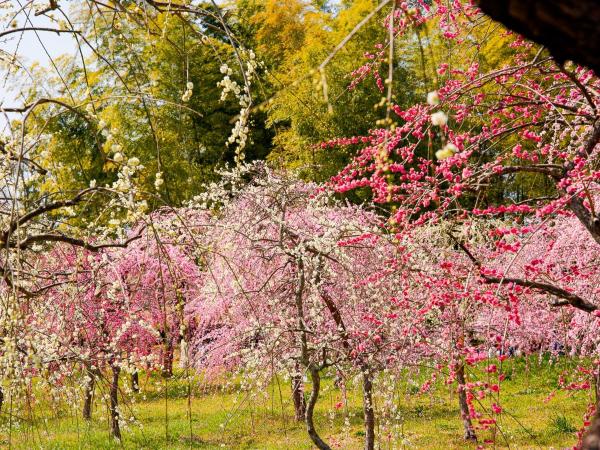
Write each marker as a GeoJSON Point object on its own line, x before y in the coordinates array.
{"type": "Point", "coordinates": [597, 386]}
{"type": "Point", "coordinates": [167, 362]}
{"type": "Point", "coordinates": [135, 382]}
{"type": "Point", "coordinates": [298, 397]}
{"type": "Point", "coordinates": [310, 408]}
{"type": "Point", "coordinates": [89, 395]}
{"type": "Point", "coordinates": [568, 28]}
{"type": "Point", "coordinates": [591, 440]}
{"type": "Point", "coordinates": [115, 430]}
{"type": "Point", "coordinates": [369, 411]}
{"type": "Point", "coordinates": [314, 371]}
{"type": "Point", "coordinates": [1, 398]}
{"type": "Point", "coordinates": [464, 407]}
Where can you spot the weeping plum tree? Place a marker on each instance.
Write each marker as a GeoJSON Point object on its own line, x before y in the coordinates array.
{"type": "Point", "coordinates": [158, 277]}
{"type": "Point", "coordinates": [486, 236]}
{"type": "Point", "coordinates": [291, 284]}
{"type": "Point", "coordinates": [69, 176]}
{"type": "Point", "coordinates": [95, 326]}
{"type": "Point", "coordinates": [112, 312]}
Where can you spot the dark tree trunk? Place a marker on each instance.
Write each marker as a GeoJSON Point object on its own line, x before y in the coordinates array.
{"type": "Point", "coordinates": [135, 382]}
{"type": "Point", "coordinates": [597, 385]}
{"type": "Point", "coordinates": [115, 429]}
{"type": "Point", "coordinates": [310, 408]}
{"type": "Point", "coordinates": [464, 407]}
{"type": "Point", "coordinates": [88, 395]}
{"type": "Point", "coordinates": [298, 397]}
{"type": "Point", "coordinates": [167, 362]}
{"type": "Point", "coordinates": [568, 28]}
{"type": "Point", "coordinates": [591, 440]}
{"type": "Point", "coordinates": [305, 360]}
{"type": "Point", "coordinates": [1, 398]}
{"type": "Point", "coordinates": [369, 411]}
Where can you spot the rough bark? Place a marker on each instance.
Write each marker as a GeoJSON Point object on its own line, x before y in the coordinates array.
{"type": "Point", "coordinates": [167, 362]}
{"type": "Point", "coordinates": [88, 395]}
{"type": "Point", "coordinates": [298, 397]}
{"type": "Point", "coordinates": [135, 382]}
{"type": "Point", "coordinates": [464, 407]}
{"type": "Point", "coordinates": [591, 440]}
{"type": "Point", "coordinates": [369, 411]}
{"type": "Point", "coordinates": [310, 408]}
{"type": "Point", "coordinates": [115, 429]}
{"type": "Point", "coordinates": [568, 28]}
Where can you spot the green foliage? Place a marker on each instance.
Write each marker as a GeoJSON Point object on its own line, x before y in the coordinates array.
{"type": "Point", "coordinates": [299, 112]}
{"type": "Point", "coordinates": [562, 425]}
{"type": "Point", "coordinates": [138, 95]}
{"type": "Point", "coordinates": [138, 99]}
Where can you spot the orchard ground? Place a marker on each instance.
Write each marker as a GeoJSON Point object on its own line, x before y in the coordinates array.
{"type": "Point", "coordinates": [225, 417]}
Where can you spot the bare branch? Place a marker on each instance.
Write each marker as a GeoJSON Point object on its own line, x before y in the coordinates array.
{"type": "Point", "coordinates": [568, 297]}
{"type": "Point", "coordinates": [54, 237]}
{"type": "Point", "coordinates": [52, 30]}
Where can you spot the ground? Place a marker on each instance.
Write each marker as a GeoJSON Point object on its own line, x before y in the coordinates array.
{"type": "Point", "coordinates": [225, 417]}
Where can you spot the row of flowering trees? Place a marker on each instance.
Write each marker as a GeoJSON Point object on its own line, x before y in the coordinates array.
{"type": "Point", "coordinates": [264, 275]}
{"type": "Point", "coordinates": [106, 312]}
{"type": "Point", "coordinates": [461, 262]}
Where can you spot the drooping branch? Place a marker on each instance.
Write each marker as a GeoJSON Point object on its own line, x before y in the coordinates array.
{"type": "Point", "coordinates": [19, 30]}
{"type": "Point", "coordinates": [551, 170]}
{"type": "Point", "coordinates": [589, 221]}
{"type": "Point", "coordinates": [40, 102]}
{"type": "Point", "coordinates": [557, 173]}
{"type": "Point", "coordinates": [22, 220]}
{"type": "Point", "coordinates": [54, 237]}
{"type": "Point", "coordinates": [568, 298]}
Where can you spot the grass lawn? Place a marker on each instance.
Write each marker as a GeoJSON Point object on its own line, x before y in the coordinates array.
{"type": "Point", "coordinates": [225, 417]}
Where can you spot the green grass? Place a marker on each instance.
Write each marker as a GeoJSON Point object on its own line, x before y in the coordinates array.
{"type": "Point", "coordinates": [225, 417]}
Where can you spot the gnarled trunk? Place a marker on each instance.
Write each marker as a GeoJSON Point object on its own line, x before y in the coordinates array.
{"type": "Point", "coordinates": [298, 397]}
{"type": "Point", "coordinates": [115, 429]}
{"type": "Point", "coordinates": [591, 440]}
{"type": "Point", "coordinates": [369, 411]}
{"type": "Point", "coordinates": [167, 360]}
{"type": "Point", "coordinates": [88, 399]}
{"type": "Point", "coordinates": [305, 360]}
{"type": "Point", "coordinates": [464, 407]}
{"type": "Point", "coordinates": [135, 382]}
{"type": "Point", "coordinates": [310, 409]}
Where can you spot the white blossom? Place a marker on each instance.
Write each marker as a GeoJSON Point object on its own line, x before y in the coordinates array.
{"type": "Point", "coordinates": [439, 119]}
{"type": "Point", "coordinates": [433, 98]}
